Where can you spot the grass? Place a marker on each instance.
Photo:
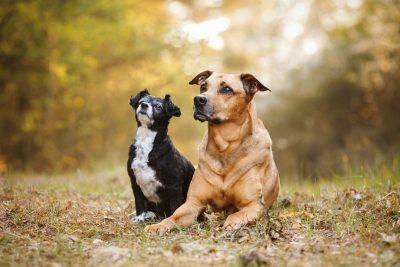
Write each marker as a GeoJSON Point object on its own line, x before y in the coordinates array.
{"type": "Point", "coordinates": [82, 219]}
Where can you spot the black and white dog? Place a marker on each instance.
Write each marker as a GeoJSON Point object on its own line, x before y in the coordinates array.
{"type": "Point", "coordinates": [160, 175]}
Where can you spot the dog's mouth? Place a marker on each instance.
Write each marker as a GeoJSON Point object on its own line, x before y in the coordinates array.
{"type": "Point", "coordinates": [143, 112]}
{"type": "Point", "coordinates": [202, 117]}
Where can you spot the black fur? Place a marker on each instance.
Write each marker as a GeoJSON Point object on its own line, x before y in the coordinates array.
{"type": "Point", "coordinates": [171, 169]}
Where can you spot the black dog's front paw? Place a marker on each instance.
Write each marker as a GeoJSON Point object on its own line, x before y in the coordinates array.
{"type": "Point", "coordinates": [144, 216]}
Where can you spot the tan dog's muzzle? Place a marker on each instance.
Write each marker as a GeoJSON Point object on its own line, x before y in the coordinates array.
{"type": "Point", "coordinates": [202, 109]}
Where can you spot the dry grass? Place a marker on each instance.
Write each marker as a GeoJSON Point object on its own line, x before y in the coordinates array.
{"type": "Point", "coordinates": [83, 220]}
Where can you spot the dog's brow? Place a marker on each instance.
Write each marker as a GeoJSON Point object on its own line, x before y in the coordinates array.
{"type": "Point", "coordinates": [222, 84]}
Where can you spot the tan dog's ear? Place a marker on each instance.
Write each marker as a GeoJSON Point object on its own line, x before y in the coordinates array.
{"type": "Point", "coordinates": [201, 77]}
{"type": "Point", "coordinates": [251, 85]}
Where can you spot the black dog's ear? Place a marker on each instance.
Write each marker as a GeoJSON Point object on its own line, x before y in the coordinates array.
{"type": "Point", "coordinates": [134, 102]}
{"type": "Point", "coordinates": [202, 76]}
{"type": "Point", "coordinates": [170, 107]}
{"type": "Point", "coordinates": [251, 85]}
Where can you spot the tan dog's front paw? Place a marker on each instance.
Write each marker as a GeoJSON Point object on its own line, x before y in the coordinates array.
{"type": "Point", "coordinates": [158, 228]}
{"type": "Point", "coordinates": [233, 222]}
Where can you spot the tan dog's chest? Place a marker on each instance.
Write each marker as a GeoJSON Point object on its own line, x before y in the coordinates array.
{"type": "Point", "coordinates": [231, 183]}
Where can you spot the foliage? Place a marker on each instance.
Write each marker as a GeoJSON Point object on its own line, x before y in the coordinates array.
{"type": "Point", "coordinates": [69, 68]}
{"type": "Point", "coordinates": [67, 72]}
{"type": "Point", "coordinates": [342, 110]}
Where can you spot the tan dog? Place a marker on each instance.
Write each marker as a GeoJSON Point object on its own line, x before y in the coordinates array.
{"type": "Point", "coordinates": [236, 170]}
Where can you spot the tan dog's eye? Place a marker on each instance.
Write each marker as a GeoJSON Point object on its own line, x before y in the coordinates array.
{"type": "Point", "coordinates": [203, 88]}
{"type": "Point", "coordinates": [225, 90]}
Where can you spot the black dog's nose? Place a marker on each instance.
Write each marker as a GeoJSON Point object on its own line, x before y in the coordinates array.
{"type": "Point", "coordinates": [200, 100]}
{"type": "Point", "coordinates": [144, 105]}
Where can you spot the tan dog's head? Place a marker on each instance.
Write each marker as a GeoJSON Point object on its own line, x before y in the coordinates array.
{"type": "Point", "coordinates": [223, 97]}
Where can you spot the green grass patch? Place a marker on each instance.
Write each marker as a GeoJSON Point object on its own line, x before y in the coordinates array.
{"type": "Point", "coordinates": [82, 220]}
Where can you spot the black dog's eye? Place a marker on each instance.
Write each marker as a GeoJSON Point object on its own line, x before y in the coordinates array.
{"type": "Point", "coordinates": [203, 88]}
{"type": "Point", "coordinates": [226, 90]}
{"type": "Point", "coordinates": [158, 106]}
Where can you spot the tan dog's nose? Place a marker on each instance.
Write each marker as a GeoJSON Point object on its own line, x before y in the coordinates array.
{"type": "Point", "coordinates": [200, 100]}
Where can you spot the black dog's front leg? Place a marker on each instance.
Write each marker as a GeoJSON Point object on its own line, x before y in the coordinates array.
{"type": "Point", "coordinates": [140, 199]}
{"type": "Point", "coordinates": [142, 205]}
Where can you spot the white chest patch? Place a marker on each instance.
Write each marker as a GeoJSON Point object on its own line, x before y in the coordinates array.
{"type": "Point", "coordinates": [145, 176]}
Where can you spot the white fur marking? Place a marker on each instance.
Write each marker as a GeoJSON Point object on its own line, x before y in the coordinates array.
{"type": "Point", "coordinates": [145, 120]}
{"type": "Point", "coordinates": [144, 217]}
{"type": "Point", "coordinates": [145, 176]}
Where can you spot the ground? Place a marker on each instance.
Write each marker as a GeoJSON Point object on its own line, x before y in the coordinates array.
{"type": "Point", "coordinates": [82, 220]}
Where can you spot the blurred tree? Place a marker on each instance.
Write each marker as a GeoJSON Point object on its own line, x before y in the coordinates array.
{"type": "Point", "coordinates": [68, 68]}
{"type": "Point", "coordinates": [343, 111]}
{"type": "Point", "coordinates": [67, 71]}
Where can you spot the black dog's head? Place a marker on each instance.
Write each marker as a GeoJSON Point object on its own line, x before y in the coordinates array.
{"type": "Point", "coordinates": [153, 112]}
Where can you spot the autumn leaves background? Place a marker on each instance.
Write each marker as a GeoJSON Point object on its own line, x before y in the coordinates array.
{"type": "Point", "coordinates": [69, 68]}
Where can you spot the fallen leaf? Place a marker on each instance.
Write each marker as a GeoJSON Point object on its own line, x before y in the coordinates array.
{"type": "Point", "coordinates": [176, 249]}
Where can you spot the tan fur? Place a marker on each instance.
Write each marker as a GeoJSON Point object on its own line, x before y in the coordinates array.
{"type": "Point", "coordinates": [236, 170]}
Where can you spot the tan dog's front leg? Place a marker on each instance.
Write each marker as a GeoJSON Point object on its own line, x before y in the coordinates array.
{"type": "Point", "coordinates": [249, 200]}
{"type": "Point", "coordinates": [246, 215]}
{"type": "Point", "coordinates": [183, 216]}
{"type": "Point", "coordinates": [187, 213]}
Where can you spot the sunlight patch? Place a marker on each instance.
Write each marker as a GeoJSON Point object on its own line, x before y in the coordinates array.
{"type": "Point", "coordinates": [208, 30]}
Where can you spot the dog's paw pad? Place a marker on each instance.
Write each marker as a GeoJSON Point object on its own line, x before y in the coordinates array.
{"type": "Point", "coordinates": [233, 224]}
{"type": "Point", "coordinates": [157, 229]}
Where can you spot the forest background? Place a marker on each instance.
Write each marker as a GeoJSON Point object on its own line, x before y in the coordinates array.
{"type": "Point", "coordinates": [68, 69]}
